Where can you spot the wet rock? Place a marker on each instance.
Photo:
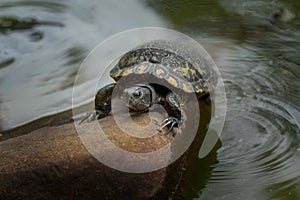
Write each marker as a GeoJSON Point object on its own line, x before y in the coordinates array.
{"type": "Point", "coordinates": [53, 163]}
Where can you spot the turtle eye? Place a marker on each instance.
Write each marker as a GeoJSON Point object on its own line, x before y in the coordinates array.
{"type": "Point", "coordinates": [137, 93]}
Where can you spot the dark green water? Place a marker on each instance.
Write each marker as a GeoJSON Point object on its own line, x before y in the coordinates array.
{"type": "Point", "coordinates": [256, 45]}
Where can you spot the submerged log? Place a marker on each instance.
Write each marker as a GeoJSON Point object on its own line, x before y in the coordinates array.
{"type": "Point", "coordinates": [53, 163]}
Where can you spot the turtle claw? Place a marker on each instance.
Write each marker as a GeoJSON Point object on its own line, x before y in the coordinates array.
{"type": "Point", "coordinates": [171, 122]}
{"type": "Point", "coordinates": [91, 116]}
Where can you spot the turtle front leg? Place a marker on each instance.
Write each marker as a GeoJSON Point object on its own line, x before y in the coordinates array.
{"type": "Point", "coordinates": [172, 106]}
{"type": "Point", "coordinates": [102, 104]}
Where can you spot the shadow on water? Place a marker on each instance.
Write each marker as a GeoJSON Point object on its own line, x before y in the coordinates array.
{"type": "Point", "coordinates": [197, 171]}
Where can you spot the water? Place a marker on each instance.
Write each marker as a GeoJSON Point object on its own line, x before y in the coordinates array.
{"type": "Point", "coordinates": [256, 45]}
{"type": "Point", "coordinates": [43, 44]}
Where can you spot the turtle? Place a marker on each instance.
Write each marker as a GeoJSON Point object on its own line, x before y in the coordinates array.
{"type": "Point", "coordinates": [164, 65]}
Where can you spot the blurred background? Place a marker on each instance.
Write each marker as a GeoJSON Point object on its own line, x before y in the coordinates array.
{"type": "Point", "coordinates": [255, 44]}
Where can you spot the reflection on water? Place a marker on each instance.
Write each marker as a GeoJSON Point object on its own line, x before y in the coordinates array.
{"type": "Point", "coordinates": [256, 45]}
{"type": "Point", "coordinates": [42, 46]}
{"type": "Point", "coordinates": [9, 24]}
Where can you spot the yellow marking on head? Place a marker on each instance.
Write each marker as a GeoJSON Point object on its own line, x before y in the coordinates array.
{"type": "Point", "coordinates": [172, 81]}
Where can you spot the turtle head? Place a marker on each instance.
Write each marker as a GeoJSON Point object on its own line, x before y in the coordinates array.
{"type": "Point", "coordinates": [139, 98]}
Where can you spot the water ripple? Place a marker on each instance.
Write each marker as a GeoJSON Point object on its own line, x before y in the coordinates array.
{"type": "Point", "coordinates": [261, 141]}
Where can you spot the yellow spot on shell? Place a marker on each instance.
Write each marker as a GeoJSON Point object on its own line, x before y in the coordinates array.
{"type": "Point", "coordinates": [185, 71]}
{"type": "Point", "coordinates": [202, 72]}
{"type": "Point", "coordinates": [127, 72]}
{"type": "Point", "coordinates": [172, 81]}
{"type": "Point", "coordinates": [122, 62]}
{"type": "Point", "coordinates": [141, 69]}
{"type": "Point", "coordinates": [131, 60]}
{"type": "Point", "coordinates": [200, 91]}
{"type": "Point", "coordinates": [115, 74]}
{"type": "Point", "coordinates": [159, 72]}
{"type": "Point", "coordinates": [193, 72]}
{"type": "Point", "coordinates": [186, 88]}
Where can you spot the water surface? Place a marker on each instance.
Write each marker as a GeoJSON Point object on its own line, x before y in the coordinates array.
{"type": "Point", "coordinates": [256, 45]}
